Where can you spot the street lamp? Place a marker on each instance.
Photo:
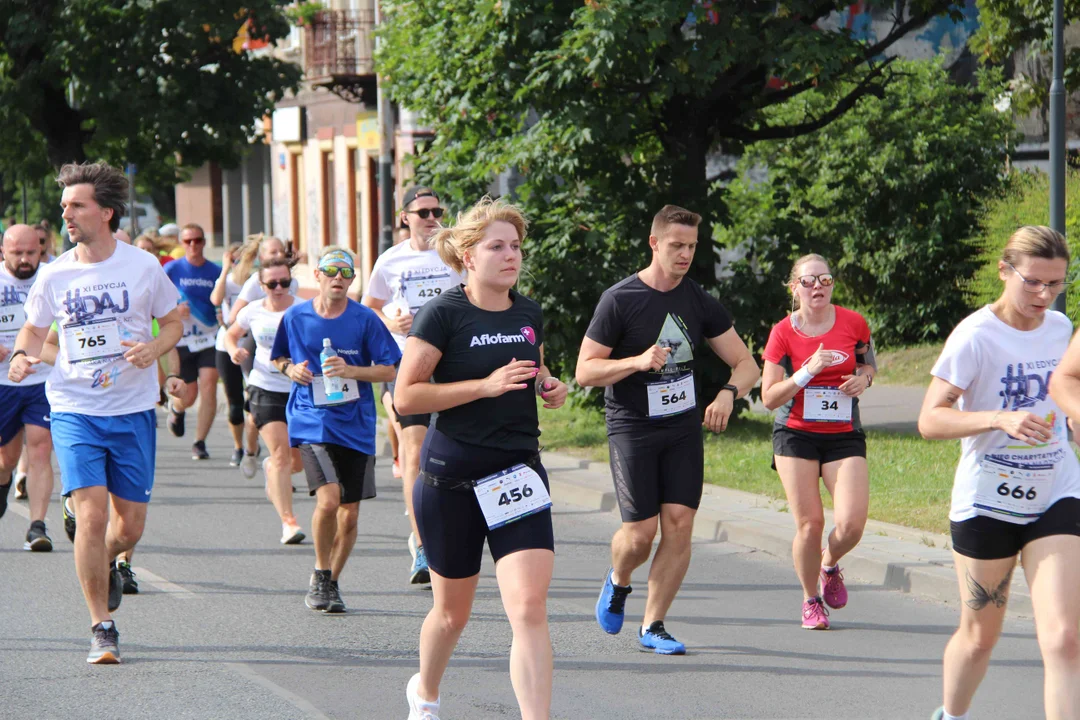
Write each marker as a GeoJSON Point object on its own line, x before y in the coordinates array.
{"type": "Point", "coordinates": [1057, 133]}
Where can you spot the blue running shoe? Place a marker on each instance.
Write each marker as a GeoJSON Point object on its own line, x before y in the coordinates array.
{"type": "Point", "coordinates": [657, 639]}
{"type": "Point", "coordinates": [420, 575]}
{"type": "Point", "coordinates": [610, 606]}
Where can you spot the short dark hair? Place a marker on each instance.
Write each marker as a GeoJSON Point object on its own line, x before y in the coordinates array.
{"type": "Point", "coordinates": [673, 215]}
{"type": "Point", "coordinates": [280, 262]}
{"type": "Point", "coordinates": [110, 186]}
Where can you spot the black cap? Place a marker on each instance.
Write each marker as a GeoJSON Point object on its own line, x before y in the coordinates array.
{"type": "Point", "coordinates": [417, 191]}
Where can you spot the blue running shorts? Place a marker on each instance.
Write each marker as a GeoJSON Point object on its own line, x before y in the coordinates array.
{"type": "Point", "coordinates": [22, 405]}
{"type": "Point", "coordinates": [116, 452]}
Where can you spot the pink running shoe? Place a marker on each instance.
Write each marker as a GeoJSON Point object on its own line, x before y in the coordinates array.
{"type": "Point", "coordinates": [815, 616]}
{"type": "Point", "coordinates": [832, 588]}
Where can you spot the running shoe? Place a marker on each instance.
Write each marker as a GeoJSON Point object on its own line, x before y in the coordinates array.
{"type": "Point", "coordinates": [198, 450]}
{"type": "Point", "coordinates": [20, 487]}
{"type": "Point", "coordinates": [176, 423]}
{"type": "Point", "coordinates": [832, 588]}
{"type": "Point", "coordinates": [237, 457]}
{"type": "Point", "coordinates": [815, 616]}
{"type": "Point", "coordinates": [4, 490]}
{"type": "Point", "coordinates": [421, 574]}
{"type": "Point", "coordinates": [413, 544]}
{"type": "Point", "coordinates": [116, 586]}
{"type": "Point", "coordinates": [36, 538]}
{"type": "Point", "coordinates": [397, 468]}
{"type": "Point", "coordinates": [249, 465]}
{"type": "Point", "coordinates": [659, 640]}
{"type": "Point", "coordinates": [318, 597]}
{"type": "Point", "coordinates": [291, 534]}
{"type": "Point", "coordinates": [420, 709]}
{"type": "Point", "coordinates": [129, 585]}
{"type": "Point", "coordinates": [610, 606]}
{"type": "Point", "coordinates": [68, 510]}
{"type": "Point", "coordinates": [105, 645]}
{"type": "Point", "coordinates": [336, 604]}
{"type": "Point", "coordinates": [939, 714]}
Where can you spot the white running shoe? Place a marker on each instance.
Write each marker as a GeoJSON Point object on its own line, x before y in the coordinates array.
{"type": "Point", "coordinates": [20, 486]}
{"type": "Point", "coordinates": [291, 534]}
{"type": "Point", "coordinates": [412, 545]}
{"type": "Point", "coordinates": [249, 466]}
{"type": "Point", "coordinates": [420, 709]}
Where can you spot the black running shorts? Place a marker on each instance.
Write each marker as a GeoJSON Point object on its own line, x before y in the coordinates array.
{"type": "Point", "coordinates": [352, 470]}
{"type": "Point", "coordinates": [656, 466]}
{"type": "Point", "coordinates": [822, 447]}
{"type": "Point", "coordinates": [987, 538]}
{"type": "Point", "coordinates": [192, 362]}
{"type": "Point", "coordinates": [267, 406]}
{"type": "Point", "coordinates": [421, 420]}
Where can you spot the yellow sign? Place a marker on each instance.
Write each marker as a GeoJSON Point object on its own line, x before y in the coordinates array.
{"type": "Point", "coordinates": [367, 131]}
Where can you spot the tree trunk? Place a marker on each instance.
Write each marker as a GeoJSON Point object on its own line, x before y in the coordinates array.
{"type": "Point", "coordinates": [61, 125]}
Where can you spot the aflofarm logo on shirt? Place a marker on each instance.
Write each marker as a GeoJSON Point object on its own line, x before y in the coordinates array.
{"type": "Point", "coordinates": [527, 334]}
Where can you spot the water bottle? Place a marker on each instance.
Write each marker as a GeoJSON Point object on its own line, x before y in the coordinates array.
{"type": "Point", "coordinates": [332, 385]}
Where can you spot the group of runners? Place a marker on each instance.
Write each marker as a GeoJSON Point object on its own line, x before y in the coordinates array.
{"type": "Point", "coordinates": [459, 354]}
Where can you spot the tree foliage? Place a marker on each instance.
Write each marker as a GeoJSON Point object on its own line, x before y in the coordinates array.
{"type": "Point", "coordinates": [609, 109]}
{"type": "Point", "coordinates": [155, 83]}
{"type": "Point", "coordinates": [887, 193]}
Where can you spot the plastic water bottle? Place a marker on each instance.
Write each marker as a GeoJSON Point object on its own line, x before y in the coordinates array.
{"type": "Point", "coordinates": [332, 385]}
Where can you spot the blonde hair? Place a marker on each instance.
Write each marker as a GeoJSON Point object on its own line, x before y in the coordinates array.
{"type": "Point", "coordinates": [793, 277]}
{"type": "Point", "coordinates": [452, 243]}
{"type": "Point", "coordinates": [150, 236]}
{"type": "Point", "coordinates": [1036, 241]}
{"type": "Point", "coordinates": [336, 248]}
{"type": "Point", "coordinates": [244, 265]}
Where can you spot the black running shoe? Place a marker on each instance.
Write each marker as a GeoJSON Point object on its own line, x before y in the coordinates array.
{"type": "Point", "coordinates": [105, 645]}
{"type": "Point", "coordinates": [130, 586]}
{"type": "Point", "coordinates": [318, 597]}
{"type": "Point", "coordinates": [68, 509]}
{"type": "Point", "coordinates": [116, 586]}
{"type": "Point", "coordinates": [36, 538]}
{"type": "Point", "coordinates": [176, 423]}
{"type": "Point", "coordinates": [198, 451]}
{"type": "Point", "coordinates": [336, 604]}
{"type": "Point", "coordinates": [4, 490]}
{"type": "Point", "coordinates": [237, 457]}
{"type": "Point", "coordinates": [20, 488]}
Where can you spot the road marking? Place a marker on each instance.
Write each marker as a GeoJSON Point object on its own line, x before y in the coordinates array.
{"type": "Point", "coordinates": [161, 584]}
{"type": "Point", "coordinates": [290, 697]}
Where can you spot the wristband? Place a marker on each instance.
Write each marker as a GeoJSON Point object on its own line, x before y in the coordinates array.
{"type": "Point", "coordinates": [173, 375]}
{"type": "Point", "coordinates": [802, 377]}
{"type": "Point", "coordinates": [16, 354]}
{"type": "Point", "coordinates": [285, 368]}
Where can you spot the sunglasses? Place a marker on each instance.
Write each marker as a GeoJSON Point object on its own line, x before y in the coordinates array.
{"type": "Point", "coordinates": [275, 284]}
{"type": "Point", "coordinates": [333, 270]}
{"type": "Point", "coordinates": [425, 212]}
{"type": "Point", "coordinates": [807, 281]}
{"type": "Point", "coordinates": [194, 241]}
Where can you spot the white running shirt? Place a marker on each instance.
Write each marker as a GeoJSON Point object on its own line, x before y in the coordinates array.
{"type": "Point", "coordinates": [263, 323]}
{"type": "Point", "coordinates": [232, 291]}
{"type": "Point", "coordinates": [13, 293]}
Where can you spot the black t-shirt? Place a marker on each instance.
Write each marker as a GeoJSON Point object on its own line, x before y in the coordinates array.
{"type": "Point", "coordinates": [474, 343]}
{"type": "Point", "coordinates": [630, 318]}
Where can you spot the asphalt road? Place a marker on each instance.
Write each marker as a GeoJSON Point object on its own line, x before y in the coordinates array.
{"type": "Point", "coordinates": [220, 629]}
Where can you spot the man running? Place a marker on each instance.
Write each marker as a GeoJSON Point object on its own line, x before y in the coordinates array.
{"type": "Point", "coordinates": [642, 345]}
{"type": "Point", "coordinates": [404, 279]}
{"type": "Point", "coordinates": [24, 411]}
{"type": "Point", "coordinates": [104, 296]}
{"type": "Point", "coordinates": [334, 427]}
{"type": "Point", "coordinates": [195, 276]}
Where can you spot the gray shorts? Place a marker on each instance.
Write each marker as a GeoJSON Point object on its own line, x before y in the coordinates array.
{"type": "Point", "coordinates": [352, 470]}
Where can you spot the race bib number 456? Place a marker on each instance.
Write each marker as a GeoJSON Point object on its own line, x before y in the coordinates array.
{"type": "Point", "coordinates": [510, 495]}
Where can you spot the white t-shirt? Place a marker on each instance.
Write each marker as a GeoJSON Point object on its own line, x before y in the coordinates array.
{"type": "Point", "coordinates": [232, 291]}
{"type": "Point", "coordinates": [253, 289]}
{"type": "Point", "coordinates": [96, 306]}
{"type": "Point", "coordinates": [13, 292]}
{"type": "Point", "coordinates": [263, 323]}
{"type": "Point", "coordinates": [1001, 368]}
{"type": "Point", "coordinates": [406, 278]}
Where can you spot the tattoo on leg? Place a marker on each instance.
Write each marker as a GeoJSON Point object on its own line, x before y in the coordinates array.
{"type": "Point", "coordinates": [983, 596]}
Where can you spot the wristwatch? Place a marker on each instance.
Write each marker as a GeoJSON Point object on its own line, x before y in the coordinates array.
{"type": "Point", "coordinates": [734, 390]}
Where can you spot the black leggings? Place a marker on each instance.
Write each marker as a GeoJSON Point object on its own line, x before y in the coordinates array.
{"type": "Point", "coordinates": [233, 379]}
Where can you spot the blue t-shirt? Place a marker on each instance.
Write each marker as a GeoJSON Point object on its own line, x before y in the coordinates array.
{"type": "Point", "coordinates": [196, 283]}
{"type": "Point", "coordinates": [361, 339]}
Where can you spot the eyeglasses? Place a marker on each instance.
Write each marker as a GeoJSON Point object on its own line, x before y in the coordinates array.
{"type": "Point", "coordinates": [1035, 286]}
{"type": "Point", "coordinates": [194, 241]}
{"type": "Point", "coordinates": [333, 270]}
{"type": "Point", "coordinates": [275, 284]}
{"type": "Point", "coordinates": [425, 212]}
{"type": "Point", "coordinates": [807, 281]}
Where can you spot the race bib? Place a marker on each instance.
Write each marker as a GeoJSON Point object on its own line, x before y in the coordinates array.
{"type": "Point", "coordinates": [92, 340]}
{"type": "Point", "coordinates": [12, 319]}
{"type": "Point", "coordinates": [826, 404]}
{"type": "Point", "coordinates": [349, 388]}
{"type": "Point", "coordinates": [672, 397]}
{"type": "Point", "coordinates": [1014, 492]}
{"type": "Point", "coordinates": [198, 343]}
{"type": "Point", "coordinates": [419, 291]}
{"type": "Point", "coordinates": [510, 495]}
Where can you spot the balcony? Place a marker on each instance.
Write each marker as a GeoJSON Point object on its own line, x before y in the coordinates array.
{"type": "Point", "coordinates": [339, 53]}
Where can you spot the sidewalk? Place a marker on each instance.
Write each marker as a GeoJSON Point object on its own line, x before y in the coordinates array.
{"type": "Point", "coordinates": [885, 407]}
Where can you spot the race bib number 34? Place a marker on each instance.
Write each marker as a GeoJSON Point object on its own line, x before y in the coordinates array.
{"type": "Point", "coordinates": [349, 388]}
{"type": "Point", "coordinates": [826, 404]}
{"type": "Point", "coordinates": [92, 340]}
{"type": "Point", "coordinates": [510, 495]}
{"type": "Point", "coordinates": [669, 398]}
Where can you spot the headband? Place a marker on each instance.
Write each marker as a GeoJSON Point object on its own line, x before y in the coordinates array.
{"type": "Point", "coordinates": [335, 256]}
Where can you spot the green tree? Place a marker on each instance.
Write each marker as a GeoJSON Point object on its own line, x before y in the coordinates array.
{"type": "Point", "coordinates": [155, 83]}
{"type": "Point", "coordinates": [887, 193]}
{"type": "Point", "coordinates": [611, 108]}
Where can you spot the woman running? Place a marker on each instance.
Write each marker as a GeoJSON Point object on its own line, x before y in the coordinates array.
{"type": "Point", "coordinates": [480, 469]}
{"type": "Point", "coordinates": [260, 249]}
{"type": "Point", "coordinates": [269, 390]}
{"type": "Point", "coordinates": [826, 353]}
{"type": "Point", "coordinates": [1017, 487]}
